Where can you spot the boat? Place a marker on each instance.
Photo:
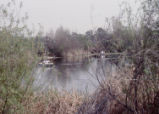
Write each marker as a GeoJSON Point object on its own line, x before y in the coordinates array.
{"type": "Point", "coordinates": [46, 63]}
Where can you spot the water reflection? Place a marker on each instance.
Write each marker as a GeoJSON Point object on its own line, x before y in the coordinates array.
{"type": "Point", "coordinates": [80, 76]}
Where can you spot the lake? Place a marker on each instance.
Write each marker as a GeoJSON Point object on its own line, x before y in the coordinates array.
{"type": "Point", "coordinates": [80, 75]}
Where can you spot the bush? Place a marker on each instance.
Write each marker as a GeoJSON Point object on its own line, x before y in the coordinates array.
{"type": "Point", "coordinates": [17, 59]}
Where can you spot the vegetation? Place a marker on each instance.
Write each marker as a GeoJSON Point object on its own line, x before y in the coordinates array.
{"type": "Point", "coordinates": [138, 42]}
{"type": "Point", "coordinates": [63, 42]}
{"type": "Point", "coordinates": [53, 103]}
{"type": "Point", "coordinates": [133, 90]}
{"type": "Point", "coordinates": [17, 59]}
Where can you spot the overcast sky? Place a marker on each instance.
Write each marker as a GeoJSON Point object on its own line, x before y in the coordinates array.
{"type": "Point", "coordinates": [76, 15]}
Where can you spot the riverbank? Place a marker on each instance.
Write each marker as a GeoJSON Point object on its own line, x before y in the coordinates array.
{"type": "Point", "coordinates": [113, 96]}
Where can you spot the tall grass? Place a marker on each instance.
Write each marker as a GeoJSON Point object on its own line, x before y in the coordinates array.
{"type": "Point", "coordinates": [132, 90]}
{"type": "Point", "coordinates": [53, 103]}
{"type": "Point", "coordinates": [116, 95]}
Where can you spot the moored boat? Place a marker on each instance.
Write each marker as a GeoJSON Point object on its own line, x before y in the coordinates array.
{"type": "Point", "coordinates": [46, 63]}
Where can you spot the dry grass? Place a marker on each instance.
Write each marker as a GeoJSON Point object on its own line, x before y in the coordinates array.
{"type": "Point", "coordinates": [76, 55]}
{"type": "Point", "coordinates": [53, 103]}
{"type": "Point", "coordinates": [115, 96]}
{"type": "Point", "coordinates": [102, 101]}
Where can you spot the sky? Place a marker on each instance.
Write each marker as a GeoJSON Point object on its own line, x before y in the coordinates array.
{"type": "Point", "coordinates": [75, 15]}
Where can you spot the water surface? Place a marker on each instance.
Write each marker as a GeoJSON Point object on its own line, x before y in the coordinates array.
{"type": "Point", "coordinates": [78, 75]}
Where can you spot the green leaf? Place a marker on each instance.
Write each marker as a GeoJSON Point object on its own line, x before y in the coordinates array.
{"type": "Point", "coordinates": [4, 90]}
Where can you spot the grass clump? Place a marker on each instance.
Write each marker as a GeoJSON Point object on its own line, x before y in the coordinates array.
{"type": "Point", "coordinates": [53, 103]}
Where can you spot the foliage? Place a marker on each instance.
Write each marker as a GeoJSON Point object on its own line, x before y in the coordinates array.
{"type": "Point", "coordinates": [63, 42]}
{"type": "Point", "coordinates": [136, 92]}
{"type": "Point", "coordinates": [17, 58]}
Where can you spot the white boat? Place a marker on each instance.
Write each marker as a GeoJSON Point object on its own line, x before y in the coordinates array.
{"type": "Point", "coordinates": [46, 63]}
{"type": "Point", "coordinates": [48, 57]}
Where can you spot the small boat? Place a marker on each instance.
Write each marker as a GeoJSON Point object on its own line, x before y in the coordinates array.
{"type": "Point", "coordinates": [48, 57]}
{"type": "Point", "coordinates": [46, 63]}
